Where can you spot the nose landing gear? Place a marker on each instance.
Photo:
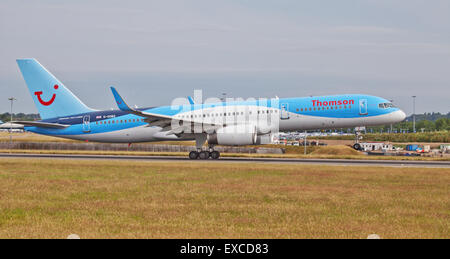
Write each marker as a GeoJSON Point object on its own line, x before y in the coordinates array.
{"type": "Point", "coordinates": [358, 137]}
{"type": "Point", "coordinates": [357, 146]}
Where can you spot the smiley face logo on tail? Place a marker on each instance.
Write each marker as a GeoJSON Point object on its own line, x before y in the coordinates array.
{"type": "Point", "coordinates": [46, 103]}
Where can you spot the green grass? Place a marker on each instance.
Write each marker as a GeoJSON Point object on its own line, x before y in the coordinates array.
{"type": "Point", "coordinates": [120, 199]}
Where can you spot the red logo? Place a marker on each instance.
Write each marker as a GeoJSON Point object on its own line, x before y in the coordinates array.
{"type": "Point", "coordinates": [332, 103]}
{"type": "Point", "coordinates": [38, 94]}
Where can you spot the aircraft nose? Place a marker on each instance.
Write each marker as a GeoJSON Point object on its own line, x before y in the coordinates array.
{"type": "Point", "coordinates": [399, 116]}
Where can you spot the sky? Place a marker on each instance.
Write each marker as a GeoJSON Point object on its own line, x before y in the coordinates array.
{"type": "Point", "coordinates": [155, 51]}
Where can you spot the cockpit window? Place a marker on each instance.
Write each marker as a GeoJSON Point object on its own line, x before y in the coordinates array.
{"type": "Point", "coordinates": [386, 105]}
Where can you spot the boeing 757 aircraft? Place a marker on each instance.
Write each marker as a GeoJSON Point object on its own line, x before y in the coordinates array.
{"type": "Point", "coordinates": [218, 123]}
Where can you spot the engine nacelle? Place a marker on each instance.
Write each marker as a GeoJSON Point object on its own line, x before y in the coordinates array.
{"type": "Point", "coordinates": [265, 139]}
{"type": "Point", "coordinates": [234, 135]}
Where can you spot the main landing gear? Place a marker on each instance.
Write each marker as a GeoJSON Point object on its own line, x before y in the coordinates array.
{"type": "Point", "coordinates": [202, 154]}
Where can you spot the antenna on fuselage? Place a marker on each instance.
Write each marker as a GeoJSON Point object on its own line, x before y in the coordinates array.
{"type": "Point", "coordinates": [224, 97]}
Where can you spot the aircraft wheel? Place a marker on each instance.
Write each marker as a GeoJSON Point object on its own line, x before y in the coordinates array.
{"type": "Point", "coordinates": [203, 155]}
{"type": "Point", "coordinates": [357, 146]}
{"type": "Point", "coordinates": [193, 155]}
{"type": "Point", "coordinates": [215, 154]}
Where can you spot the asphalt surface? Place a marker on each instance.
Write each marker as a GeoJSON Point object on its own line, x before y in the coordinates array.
{"type": "Point", "coordinates": [341, 162]}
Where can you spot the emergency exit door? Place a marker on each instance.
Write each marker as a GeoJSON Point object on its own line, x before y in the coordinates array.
{"type": "Point", "coordinates": [87, 123]}
{"type": "Point", "coordinates": [362, 106]}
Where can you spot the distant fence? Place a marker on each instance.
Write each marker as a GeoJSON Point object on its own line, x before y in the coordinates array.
{"type": "Point", "coordinates": [134, 147]}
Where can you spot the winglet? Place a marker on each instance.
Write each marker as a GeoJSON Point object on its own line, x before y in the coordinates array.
{"type": "Point", "coordinates": [119, 101]}
{"type": "Point", "coordinates": [191, 101]}
{"type": "Point", "coordinates": [124, 107]}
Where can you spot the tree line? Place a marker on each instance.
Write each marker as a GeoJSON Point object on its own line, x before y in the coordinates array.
{"type": "Point", "coordinates": [427, 122]}
{"type": "Point", "coordinates": [5, 117]}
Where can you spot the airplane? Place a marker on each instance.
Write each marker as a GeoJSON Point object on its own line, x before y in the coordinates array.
{"type": "Point", "coordinates": [10, 126]}
{"type": "Point", "coordinates": [232, 123]}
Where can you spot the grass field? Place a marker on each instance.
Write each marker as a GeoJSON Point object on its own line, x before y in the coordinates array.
{"type": "Point", "coordinates": [317, 155]}
{"type": "Point", "coordinates": [119, 199]}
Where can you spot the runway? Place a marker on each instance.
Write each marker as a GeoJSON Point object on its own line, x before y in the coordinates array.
{"type": "Point", "coordinates": [338, 162]}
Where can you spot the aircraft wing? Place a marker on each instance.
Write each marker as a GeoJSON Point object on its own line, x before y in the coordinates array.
{"type": "Point", "coordinates": [41, 124]}
{"type": "Point", "coordinates": [154, 119]}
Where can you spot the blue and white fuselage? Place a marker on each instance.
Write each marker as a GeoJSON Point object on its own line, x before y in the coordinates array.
{"type": "Point", "coordinates": [305, 113]}
{"type": "Point", "coordinates": [64, 115]}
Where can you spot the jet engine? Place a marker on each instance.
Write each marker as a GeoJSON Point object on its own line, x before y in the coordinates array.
{"type": "Point", "coordinates": [234, 135]}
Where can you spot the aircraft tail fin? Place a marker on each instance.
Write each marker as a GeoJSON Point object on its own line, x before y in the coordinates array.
{"type": "Point", "coordinates": [50, 96]}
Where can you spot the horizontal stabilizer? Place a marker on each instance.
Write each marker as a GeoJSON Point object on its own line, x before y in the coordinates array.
{"type": "Point", "coordinates": [41, 124]}
{"type": "Point", "coordinates": [9, 125]}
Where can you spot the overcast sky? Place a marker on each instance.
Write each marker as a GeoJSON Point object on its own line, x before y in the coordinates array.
{"type": "Point", "coordinates": [154, 51]}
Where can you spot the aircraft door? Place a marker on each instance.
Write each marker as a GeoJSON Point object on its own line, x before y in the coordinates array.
{"type": "Point", "coordinates": [87, 123]}
{"type": "Point", "coordinates": [284, 114]}
{"type": "Point", "coordinates": [362, 106]}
